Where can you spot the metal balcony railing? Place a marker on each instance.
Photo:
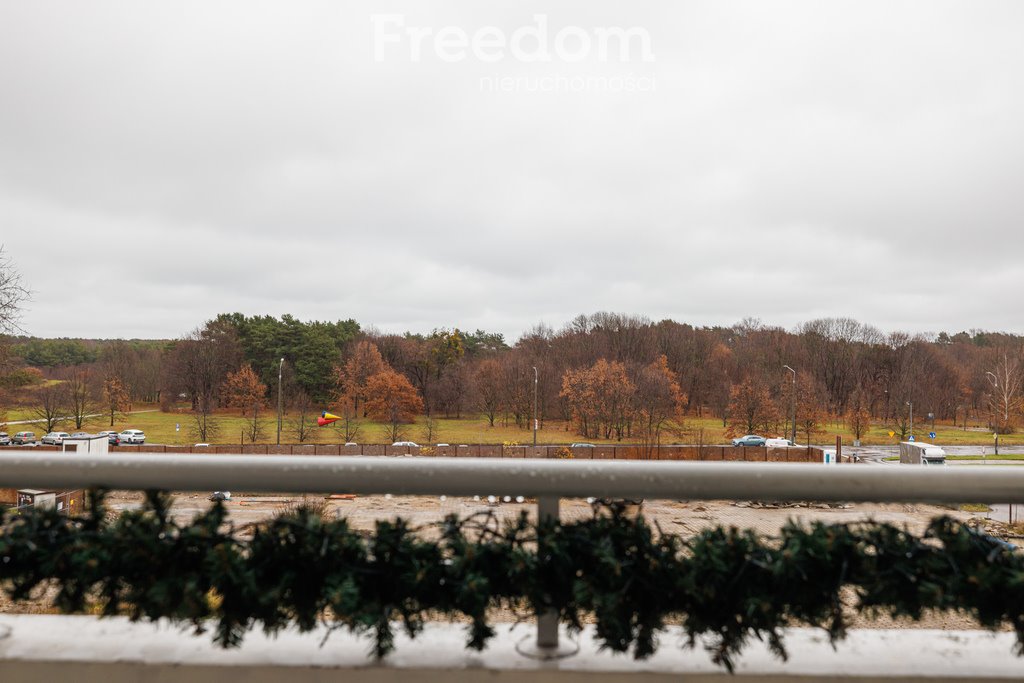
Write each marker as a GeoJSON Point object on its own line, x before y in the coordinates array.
{"type": "Point", "coordinates": [546, 480]}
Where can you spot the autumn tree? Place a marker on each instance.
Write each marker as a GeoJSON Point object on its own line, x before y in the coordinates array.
{"type": "Point", "coordinates": [115, 398]}
{"type": "Point", "coordinates": [487, 381]}
{"type": "Point", "coordinates": [600, 398]}
{"type": "Point", "coordinates": [659, 400]}
{"type": "Point", "coordinates": [858, 417]}
{"type": "Point", "coordinates": [392, 399]}
{"type": "Point", "coordinates": [352, 378]}
{"type": "Point", "coordinates": [198, 364]}
{"type": "Point", "coordinates": [244, 390]}
{"type": "Point", "coordinates": [810, 413]}
{"type": "Point", "coordinates": [517, 389]}
{"type": "Point", "coordinates": [751, 407]}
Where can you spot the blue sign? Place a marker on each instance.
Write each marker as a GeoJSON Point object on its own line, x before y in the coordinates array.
{"type": "Point", "coordinates": [911, 438]}
{"type": "Point", "coordinates": [931, 435]}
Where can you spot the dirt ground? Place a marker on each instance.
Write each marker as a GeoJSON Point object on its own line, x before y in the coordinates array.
{"type": "Point", "coordinates": [683, 518]}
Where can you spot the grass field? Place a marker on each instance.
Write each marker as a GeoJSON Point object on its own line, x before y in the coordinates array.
{"type": "Point", "coordinates": [1001, 456]}
{"type": "Point", "coordinates": [160, 428]}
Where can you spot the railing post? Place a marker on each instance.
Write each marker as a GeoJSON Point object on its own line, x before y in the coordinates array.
{"type": "Point", "coordinates": [547, 623]}
{"type": "Point", "coordinates": [546, 645]}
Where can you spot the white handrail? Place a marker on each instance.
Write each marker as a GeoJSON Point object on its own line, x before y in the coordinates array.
{"type": "Point", "coordinates": [526, 477]}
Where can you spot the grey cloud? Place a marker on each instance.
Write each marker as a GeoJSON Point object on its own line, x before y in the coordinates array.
{"type": "Point", "coordinates": [796, 159]}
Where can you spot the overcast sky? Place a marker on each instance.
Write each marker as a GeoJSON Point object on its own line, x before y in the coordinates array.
{"type": "Point", "coordinates": [164, 162]}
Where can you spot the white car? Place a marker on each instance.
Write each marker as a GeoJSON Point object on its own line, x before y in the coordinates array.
{"type": "Point", "coordinates": [410, 444]}
{"type": "Point", "coordinates": [55, 438]}
{"type": "Point", "coordinates": [132, 436]}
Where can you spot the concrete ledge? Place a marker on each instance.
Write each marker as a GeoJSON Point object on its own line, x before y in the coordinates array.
{"type": "Point", "coordinates": [86, 649]}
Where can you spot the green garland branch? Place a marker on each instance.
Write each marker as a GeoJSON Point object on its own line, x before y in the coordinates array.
{"type": "Point", "coordinates": [300, 568]}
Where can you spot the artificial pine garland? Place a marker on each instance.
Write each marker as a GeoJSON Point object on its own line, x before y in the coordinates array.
{"type": "Point", "coordinates": [306, 570]}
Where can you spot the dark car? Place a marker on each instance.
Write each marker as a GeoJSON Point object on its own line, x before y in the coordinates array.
{"type": "Point", "coordinates": [750, 440]}
{"type": "Point", "coordinates": [113, 438]}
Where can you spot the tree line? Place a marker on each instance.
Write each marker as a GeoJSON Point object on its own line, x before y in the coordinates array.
{"type": "Point", "coordinates": [604, 375]}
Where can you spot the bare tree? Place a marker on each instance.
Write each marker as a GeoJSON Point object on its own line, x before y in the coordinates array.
{"type": "Point", "coordinates": [12, 295]}
{"type": "Point", "coordinates": [350, 424]}
{"type": "Point", "coordinates": [51, 405]}
{"type": "Point", "coordinates": [300, 422]}
{"type": "Point", "coordinates": [1006, 379]}
{"type": "Point", "coordinates": [205, 425]}
{"type": "Point", "coordinates": [79, 394]}
{"type": "Point", "coordinates": [431, 429]}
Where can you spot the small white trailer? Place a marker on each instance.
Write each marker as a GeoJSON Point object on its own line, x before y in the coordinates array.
{"type": "Point", "coordinates": [912, 453]}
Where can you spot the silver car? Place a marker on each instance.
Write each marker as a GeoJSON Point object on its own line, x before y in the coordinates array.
{"type": "Point", "coordinates": [55, 438]}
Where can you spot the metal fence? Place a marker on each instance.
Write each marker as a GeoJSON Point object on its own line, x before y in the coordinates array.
{"type": "Point", "coordinates": [545, 480]}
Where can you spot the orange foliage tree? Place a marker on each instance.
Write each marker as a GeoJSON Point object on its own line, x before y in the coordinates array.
{"type": "Point", "coordinates": [244, 390]}
{"type": "Point", "coordinates": [600, 399]}
{"type": "Point", "coordinates": [659, 400]}
{"type": "Point", "coordinates": [352, 379]}
{"type": "Point", "coordinates": [115, 398]}
{"type": "Point", "coordinates": [751, 407]}
{"type": "Point", "coordinates": [391, 398]}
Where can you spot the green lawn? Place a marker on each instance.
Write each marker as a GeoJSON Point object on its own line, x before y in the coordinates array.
{"type": "Point", "coordinates": [1001, 456]}
{"type": "Point", "coordinates": [160, 428]}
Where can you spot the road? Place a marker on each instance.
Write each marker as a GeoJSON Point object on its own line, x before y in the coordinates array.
{"type": "Point", "coordinates": [876, 455]}
{"type": "Point", "coordinates": [72, 417]}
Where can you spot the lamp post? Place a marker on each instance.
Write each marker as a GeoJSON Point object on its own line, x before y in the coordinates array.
{"type": "Point", "coordinates": [535, 377]}
{"type": "Point", "coordinates": [911, 404]}
{"type": "Point", "coordinates": [280, 373]}
{"type": "Point", "coordinates": [793, 402]}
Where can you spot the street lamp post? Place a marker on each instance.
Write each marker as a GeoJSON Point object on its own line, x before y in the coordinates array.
{"type": "Point", "coordinates": [793, 402]}
{"type": "Point", "coordinates": [280, 402]}
{"type": "Point", "coordinates": [911, 404]}
{"type": "Point", "coordinates": [535, 377]}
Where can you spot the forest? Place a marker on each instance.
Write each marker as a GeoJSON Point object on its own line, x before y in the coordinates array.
{"type": "Point", "coordinates": [609, 375]}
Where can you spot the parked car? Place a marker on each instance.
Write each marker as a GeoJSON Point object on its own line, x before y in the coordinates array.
{"type": "Point", "coordinates": [75, 435]}
{"type": "Point", "coordinates": [24, 439]}
{"type": "Point", "coordinates": [132, 436]}
{"type": "Point", "coordinates": [112, 438]}
{"type": "Point", "coordinates": [5, 440]}
{"type": "Point", "coordinates": [54, 438]}
{"type": "Point", "coordinates": [750, 440]}
{"type": "Point", "coordinates": [410, 444]}
{"type": "Point", "coordinates": [582, 445]}
{"type": "Point", "coordinates": [781, 443]}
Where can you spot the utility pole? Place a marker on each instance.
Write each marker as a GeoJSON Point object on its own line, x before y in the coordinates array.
{"type": "Point", "coordinates": [534, 406]}
{"type": "Point", "coordinates": [793, 402]}
{"type": "Point", "coordinates": [280, 372]}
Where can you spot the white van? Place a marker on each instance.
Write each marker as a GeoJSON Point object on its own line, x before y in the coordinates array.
{"type": "Point", "coordinates": [780, 443]}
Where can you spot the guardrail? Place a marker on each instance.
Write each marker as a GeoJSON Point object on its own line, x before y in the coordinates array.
{"type": "Point", "coordinates": [546, 480]}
